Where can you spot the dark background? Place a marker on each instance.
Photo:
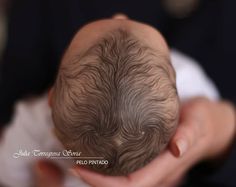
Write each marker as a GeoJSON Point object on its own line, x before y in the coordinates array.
{"type": "Point", "coordinates": [40, 30]}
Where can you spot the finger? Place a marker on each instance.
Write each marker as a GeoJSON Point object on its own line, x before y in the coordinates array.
{"type": "Point", "coordinates": [184, 139]}
{"type": "Point", "coordinates": [156, 171]}
{"type": "Point", "coordinates": [48, 174]}
{"type": "Point", "coordinates": [99, 180]}
{"type": "Point", "coordinates": [190, 129]}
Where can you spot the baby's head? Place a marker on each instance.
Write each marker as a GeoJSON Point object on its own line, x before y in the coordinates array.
{"type": "Point", "coordinates": [115, 95]}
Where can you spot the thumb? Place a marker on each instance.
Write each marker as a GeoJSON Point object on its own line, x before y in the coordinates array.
{"type": "Point", "coordinates": [188, 131]}
{"type": "Point", "coordinates": [182, 140]}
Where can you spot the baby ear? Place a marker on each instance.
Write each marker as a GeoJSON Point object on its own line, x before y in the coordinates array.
{"type": "Point", "coordinates": [50, 95]}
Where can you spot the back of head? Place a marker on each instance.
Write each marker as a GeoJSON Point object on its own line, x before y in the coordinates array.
{"type": "Point", "coordinates": [116, 101]}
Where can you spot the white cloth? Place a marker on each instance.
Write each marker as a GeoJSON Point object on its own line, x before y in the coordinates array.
{"type": "Point", "coordinates": [32, 125]}
{"type": "Point", "coordinates": [191, 80]}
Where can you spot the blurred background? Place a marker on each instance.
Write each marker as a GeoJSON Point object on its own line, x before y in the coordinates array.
{"type": "Point", "coordinates": [2, 25]}
{"type": "Point", "coordinates": [34, 34]}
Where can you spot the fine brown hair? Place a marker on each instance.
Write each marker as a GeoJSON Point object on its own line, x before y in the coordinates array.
{"type": "Point", "coordinates": [116, 101]}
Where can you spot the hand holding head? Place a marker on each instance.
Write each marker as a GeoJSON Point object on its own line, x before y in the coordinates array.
{"type": "Point", "coordinates": [201, 122]}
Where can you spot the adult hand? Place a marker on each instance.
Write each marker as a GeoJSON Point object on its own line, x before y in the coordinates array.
{"type": "Point", "coordinates": [206, 131]}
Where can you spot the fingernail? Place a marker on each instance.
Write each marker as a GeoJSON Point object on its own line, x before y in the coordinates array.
{"type": "Point", "coordinates": [73, 172]}
{"type": "Point", "coordinates": [182, 146]}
